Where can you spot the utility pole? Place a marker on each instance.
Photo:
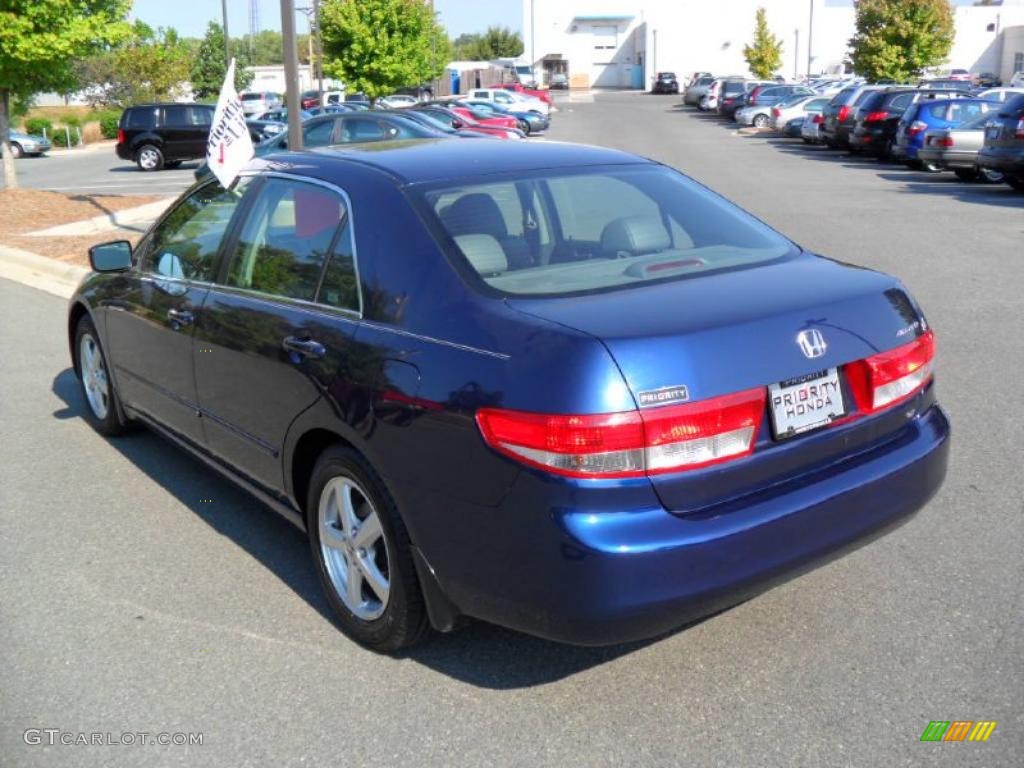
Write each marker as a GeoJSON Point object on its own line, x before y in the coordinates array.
{"type": "Point", "coordinates": [810, 40]}
{"type": "Point", "coordinates": [796, 55]}
{"type": "Point", "coordinates": [227, 45]}
{"type": "Point", "coordinates": [319, 51]}
{"type": "Point", "coordinates": [293, 97]}
{"type": "Point", "coordinates": [533, 43]}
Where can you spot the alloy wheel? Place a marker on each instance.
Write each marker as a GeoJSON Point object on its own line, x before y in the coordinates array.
{"type": "Point", "coordinates": [94, 376]}
{"type": "Point", "coordinates": [148, 158]}
{"type": "Point", "coordinates": [354, 549]}
{"type": "Point", "coordinates": [992, 177]}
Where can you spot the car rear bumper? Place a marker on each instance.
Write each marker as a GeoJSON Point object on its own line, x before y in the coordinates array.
{"type": "Point", "coordinates": [594, 575]}
{"type": "Point", "coordinates": [1005, 159]}
{"type": "Point", "coordinates": [950, 159]}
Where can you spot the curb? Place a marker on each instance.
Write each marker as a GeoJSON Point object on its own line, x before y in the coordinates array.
{"type": "Point", "coordinates": [31, 269]}
{"type": "Point", "coordinates": [108, 222]}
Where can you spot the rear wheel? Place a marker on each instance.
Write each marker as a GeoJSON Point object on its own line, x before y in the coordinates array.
{"type": "Point", "coordinates": [16, 150]}
{"type": "Point", "coordinates": [362, 553]}
{"type": "Point", "coordinates": [990, 176]}
{"type": "Point", "coordinates": [1017, 182]}
{"type": "Point", "coordinates": [930, 167]}
{"type": "Point", "coordinates": [524, 126]}
{"type": "Point", "coordinates": [760, 121]}
{"type": "Point", "coordinates": [149, 158]}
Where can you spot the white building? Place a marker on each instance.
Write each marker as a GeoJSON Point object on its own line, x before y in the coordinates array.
{"type": "Point", "coordinates": [622, 43]}
{"type": "Point", "coordinates": [271, 78]}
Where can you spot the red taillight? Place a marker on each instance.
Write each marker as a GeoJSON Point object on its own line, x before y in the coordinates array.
{"type": "Point", "coordinates": [876, 117]}
{"type": "Point", "coordinates": [942, 141]}
{"type": "Point", "coordinates": [776, 112]}
{"type": "Point", "coordinates": [844, 112]}
{"type": "Point", "coordinates": [632, 443]}
{"type": "Point", "coordinates": [916, 127]}
{"type": "Point", "coordinates": [890, 377]}
{"type": "Point", "coordinates": [818, 119]}
{"type": "Point", "coordinates": [1020, 129]}
{"type": "Point", "coordinates": [120, 135]}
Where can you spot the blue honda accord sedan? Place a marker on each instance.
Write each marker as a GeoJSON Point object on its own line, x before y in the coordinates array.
{"type": "Point", "coordinates": [559, 388]}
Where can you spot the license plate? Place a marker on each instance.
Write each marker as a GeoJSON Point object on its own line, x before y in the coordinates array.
{"type": "Point", "coordinates": [806, 403]}
{"type": "Point", "coordinates": [993, 131]}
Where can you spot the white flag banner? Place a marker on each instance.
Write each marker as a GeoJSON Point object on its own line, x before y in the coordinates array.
{"type": "Point", "coordinates": [229, 147]}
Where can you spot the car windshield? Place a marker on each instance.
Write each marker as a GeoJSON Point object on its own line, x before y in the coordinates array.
{"type": "Point", "coordinates": [558, 232]}
{"type": "Point", "coordinates": [792, 101]}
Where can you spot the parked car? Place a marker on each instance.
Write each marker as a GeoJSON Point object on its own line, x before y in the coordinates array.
{"type": "Point", "coordinates": [1000, 94]}
{"type": "Point", "coordinates": [665, 82]}
{"type": "Point", "coordinates": [156, 136]}
{"type": "Point", "coordinates": [709, 101]}
{"type": "Point", "coordinates": [697, 89]}
{"type": "Point", "coordinates": [438, 124]}
{"type": "Point", "coordinates": [948, 84]}
{"type": "Point", "coordinates": [1017, 80]}
{"type": "Point", "coordinates": [955, 148]}
{"type": "Point", "coordinates": [987, 80]}
{"type": "Point", "coordinates": [795, 107]}
{"type": "Point", "coordinates": [280, 115]}
{"type": "Point", "coordinates": [559, 81]}
{"type": "Point", "coordinates": [810, 131]}
{"type": "Point", "coordinates": [343, 129]}
{"type": "Point", "coordinates": [482, 117]}
{"type": "Point", "coordinates": [534, 93]}
{"type": "Point", "coordinates": [1004, 144]}
{"type": "Point", "coordinates": [398, 101]}
{"type": "Point", "coordinates": [794, 128]}
{"type": "Point", "coordinates": [770, 95]}
{"type": "Point", "coordinates": [733, 95]}
{"type": "Point", "coordinates": [877, 119]}
{"type": "Point", "coordinates": [258, 102]}
{"type": "Point", "coordinates": [464, 123]}
{"type": "Point", "coordinates": [440, 360]}
{"type": "Point", "coordinates": [26, 144]}
{"type": "Point", "coordinates": [960, 75]}
{"type": "Point", "coordinates": [510, 99]}
{"type": "Point", "coordinates": [944, 113]}
{"type": "Point", "coordinates": [309, 99]}
{"type": "Point", "coordinates": [261, 130]}
{"type": "Point", "coordinates": [839, 114]}
{"type": "Point", "coordinates": [526, 121]}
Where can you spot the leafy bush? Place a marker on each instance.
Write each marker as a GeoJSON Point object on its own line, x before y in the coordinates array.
{"type": "Point", "coordinates": [60, 138]}
{"type": "Point", "coordinates": [35, 126]}
{"type": "Point", "coordinates": [108, 123]}
{"type": "Point", "coordinates": [72, 121]}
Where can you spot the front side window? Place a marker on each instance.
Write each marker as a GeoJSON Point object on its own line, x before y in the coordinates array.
{"type": "Point", "coordinates": [184, 245]}
{"type": "Point", "coordinates": [563, 232]}
{"type": "Point", "coordinates": [285, 239]}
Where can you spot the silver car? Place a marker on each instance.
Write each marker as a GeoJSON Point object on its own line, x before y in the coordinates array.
{"type": "Point", "coordinates": [794, 107]}
{"type": "Point", "coordinates": [810, 131]}
{"type": "Point", "coordinates": [999, 94]}
{"type": "Point", "coordinates": [23, 144]}
{"type": "Point", "coordinates": [258, 102]}
{"type": "Point", "coordinates": [694, 92]}
{"type": "Point", "coordinates": [956, 149]}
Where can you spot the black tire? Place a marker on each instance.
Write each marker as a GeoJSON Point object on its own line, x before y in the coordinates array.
{"type": "Point", "coordinates": [16, 150]}
{"type": "Point", "coordinates": [967, 174]}
{"type": "Point", "coordinates": [1017, 182]}
{"type": "Point", "coordinates": [404, 620]}
{"type": "Point", "coordinates": [806, 140]}
{"type": "Point", "coordinates": [524, 126]}
{"type": "Point", "coordinates": [113, 422]}
{"type": "Point", "coordinates": [149, 158]}
{"type": "Point", "coordinates": [989, 176]}
{"type": "Point", "coordinates": [929, 167]}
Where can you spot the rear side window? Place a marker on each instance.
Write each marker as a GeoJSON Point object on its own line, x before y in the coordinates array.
{"type": "Point", "coordinates": [863, 97]}
{"type": "Point", "coordinates": [183, 116]}
{"type": "Point", "coordinates": [872, 100]}
{"type": "Point", "coordinates": [140, 118]}
{"type": "Point", "coordinates": [841, 98]}
{"type": "Point", "coordinates": [733, 87]}
{"type": "Point", "coordinates": [286, 239]}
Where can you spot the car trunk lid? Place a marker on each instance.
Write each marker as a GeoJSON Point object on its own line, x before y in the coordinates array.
{"type": "Point", "coordinates": [694, 339]}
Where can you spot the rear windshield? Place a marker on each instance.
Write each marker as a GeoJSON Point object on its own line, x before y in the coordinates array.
{"type": "Point", "coordinates": [840, 98]}
{"type": "Point", "coordinates": [252, 96]}
{"type": "Point", "coordinates": [733, 86]}
{"type": "Point", "coordinates": [706, 81]}
{"type": "Point", "coordinates": [557, 232]}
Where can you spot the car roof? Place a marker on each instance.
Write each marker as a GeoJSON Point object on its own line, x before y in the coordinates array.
{"type": "Point", "coordinates": [428, 160]}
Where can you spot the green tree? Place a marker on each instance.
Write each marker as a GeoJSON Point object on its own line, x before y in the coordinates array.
{"type": "Point", "coordinates": [899, 39]}
{"type": "Point", "coordinates": [495, 43]}
{"type": "Point", "coordinates": [153, 66]}
{"type": "Point", "coordinates": [378, 46]}
{"type": "Point", "coordinates": [209, 66]}
{"type": "Point", "coordinates": [39, 42]}
{"type": "Point", "coordinates": [764, 55]}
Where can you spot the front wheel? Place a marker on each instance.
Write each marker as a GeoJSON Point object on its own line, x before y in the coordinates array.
{"type": "Point", "coordinates": [16, 150]}
{"type": "Point", "coordinates": [760, 121]}
{"type": "Point", "coordinates": [930, 167]}
{"type": "Point", "coordinates": [362, 553]}
{"type": "Point", "coordinates": [524, 126]}
{"type": "Point", "coordinates": [149, 158]}
{"type": "Point", "coordinates": [104, 412]}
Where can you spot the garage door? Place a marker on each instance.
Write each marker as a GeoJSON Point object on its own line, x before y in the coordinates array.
{"type": "Point", "coordinates": [603, 70]}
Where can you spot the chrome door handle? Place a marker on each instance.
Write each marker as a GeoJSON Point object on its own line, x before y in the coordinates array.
{"type": "Point", "coordinates": [303, 348]}
{"type": "Point", "coordinates": [179, 318]}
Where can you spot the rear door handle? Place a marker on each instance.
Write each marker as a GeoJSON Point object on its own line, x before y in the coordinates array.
{"type": "Point", "coordinates": [299, 349]}
{"type": "Point", "coordinates": [179, 318]}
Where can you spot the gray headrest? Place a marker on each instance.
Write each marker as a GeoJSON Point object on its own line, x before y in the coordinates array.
{"type": "Point", "coordinates": [484, 253]}
{"type": "Point", "coordinates": [635, 235]}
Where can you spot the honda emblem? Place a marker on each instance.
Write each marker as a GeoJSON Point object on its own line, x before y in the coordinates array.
{"type": "Point", "coordinates": [811, 343]}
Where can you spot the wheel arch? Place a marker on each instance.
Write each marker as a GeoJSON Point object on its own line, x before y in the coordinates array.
{"type": "Point", "coordinates": [303, 455]}
{"type": "Point", "coordinates": [75, 314]}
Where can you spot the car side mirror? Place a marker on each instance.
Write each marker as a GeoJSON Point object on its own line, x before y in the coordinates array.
{"type": "Point", "coordinates": [115, 256]}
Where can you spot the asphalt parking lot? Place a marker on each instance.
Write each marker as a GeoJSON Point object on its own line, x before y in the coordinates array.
{"type": "Point", "coordinates": [141, 593]}
{"type": "Point", "coordinates": [97, 170]}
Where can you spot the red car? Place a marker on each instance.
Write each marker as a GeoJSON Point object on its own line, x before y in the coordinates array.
{"type": "Point", "coordinates": [461, 122]}
{"type": "Point", "coordinates": [544, 96]}
{"type": "Point", "coordinates": [496, 121]}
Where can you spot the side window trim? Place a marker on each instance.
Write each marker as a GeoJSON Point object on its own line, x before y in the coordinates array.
{"type": "Point", "coordinates": [242, 214]}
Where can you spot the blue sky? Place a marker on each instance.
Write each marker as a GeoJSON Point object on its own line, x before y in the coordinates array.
{"type": "Point", "coordinates": [457, 15]}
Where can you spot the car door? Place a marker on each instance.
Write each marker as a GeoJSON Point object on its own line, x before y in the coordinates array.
{"type": "Point", "coordinates": [151, 319]}
{"type": "Point", "coordinates": [176, 129]}
{"type": "Point", "coordinates": [278, 325]}
{"type": "Point", "coordinates": [200, 118]}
